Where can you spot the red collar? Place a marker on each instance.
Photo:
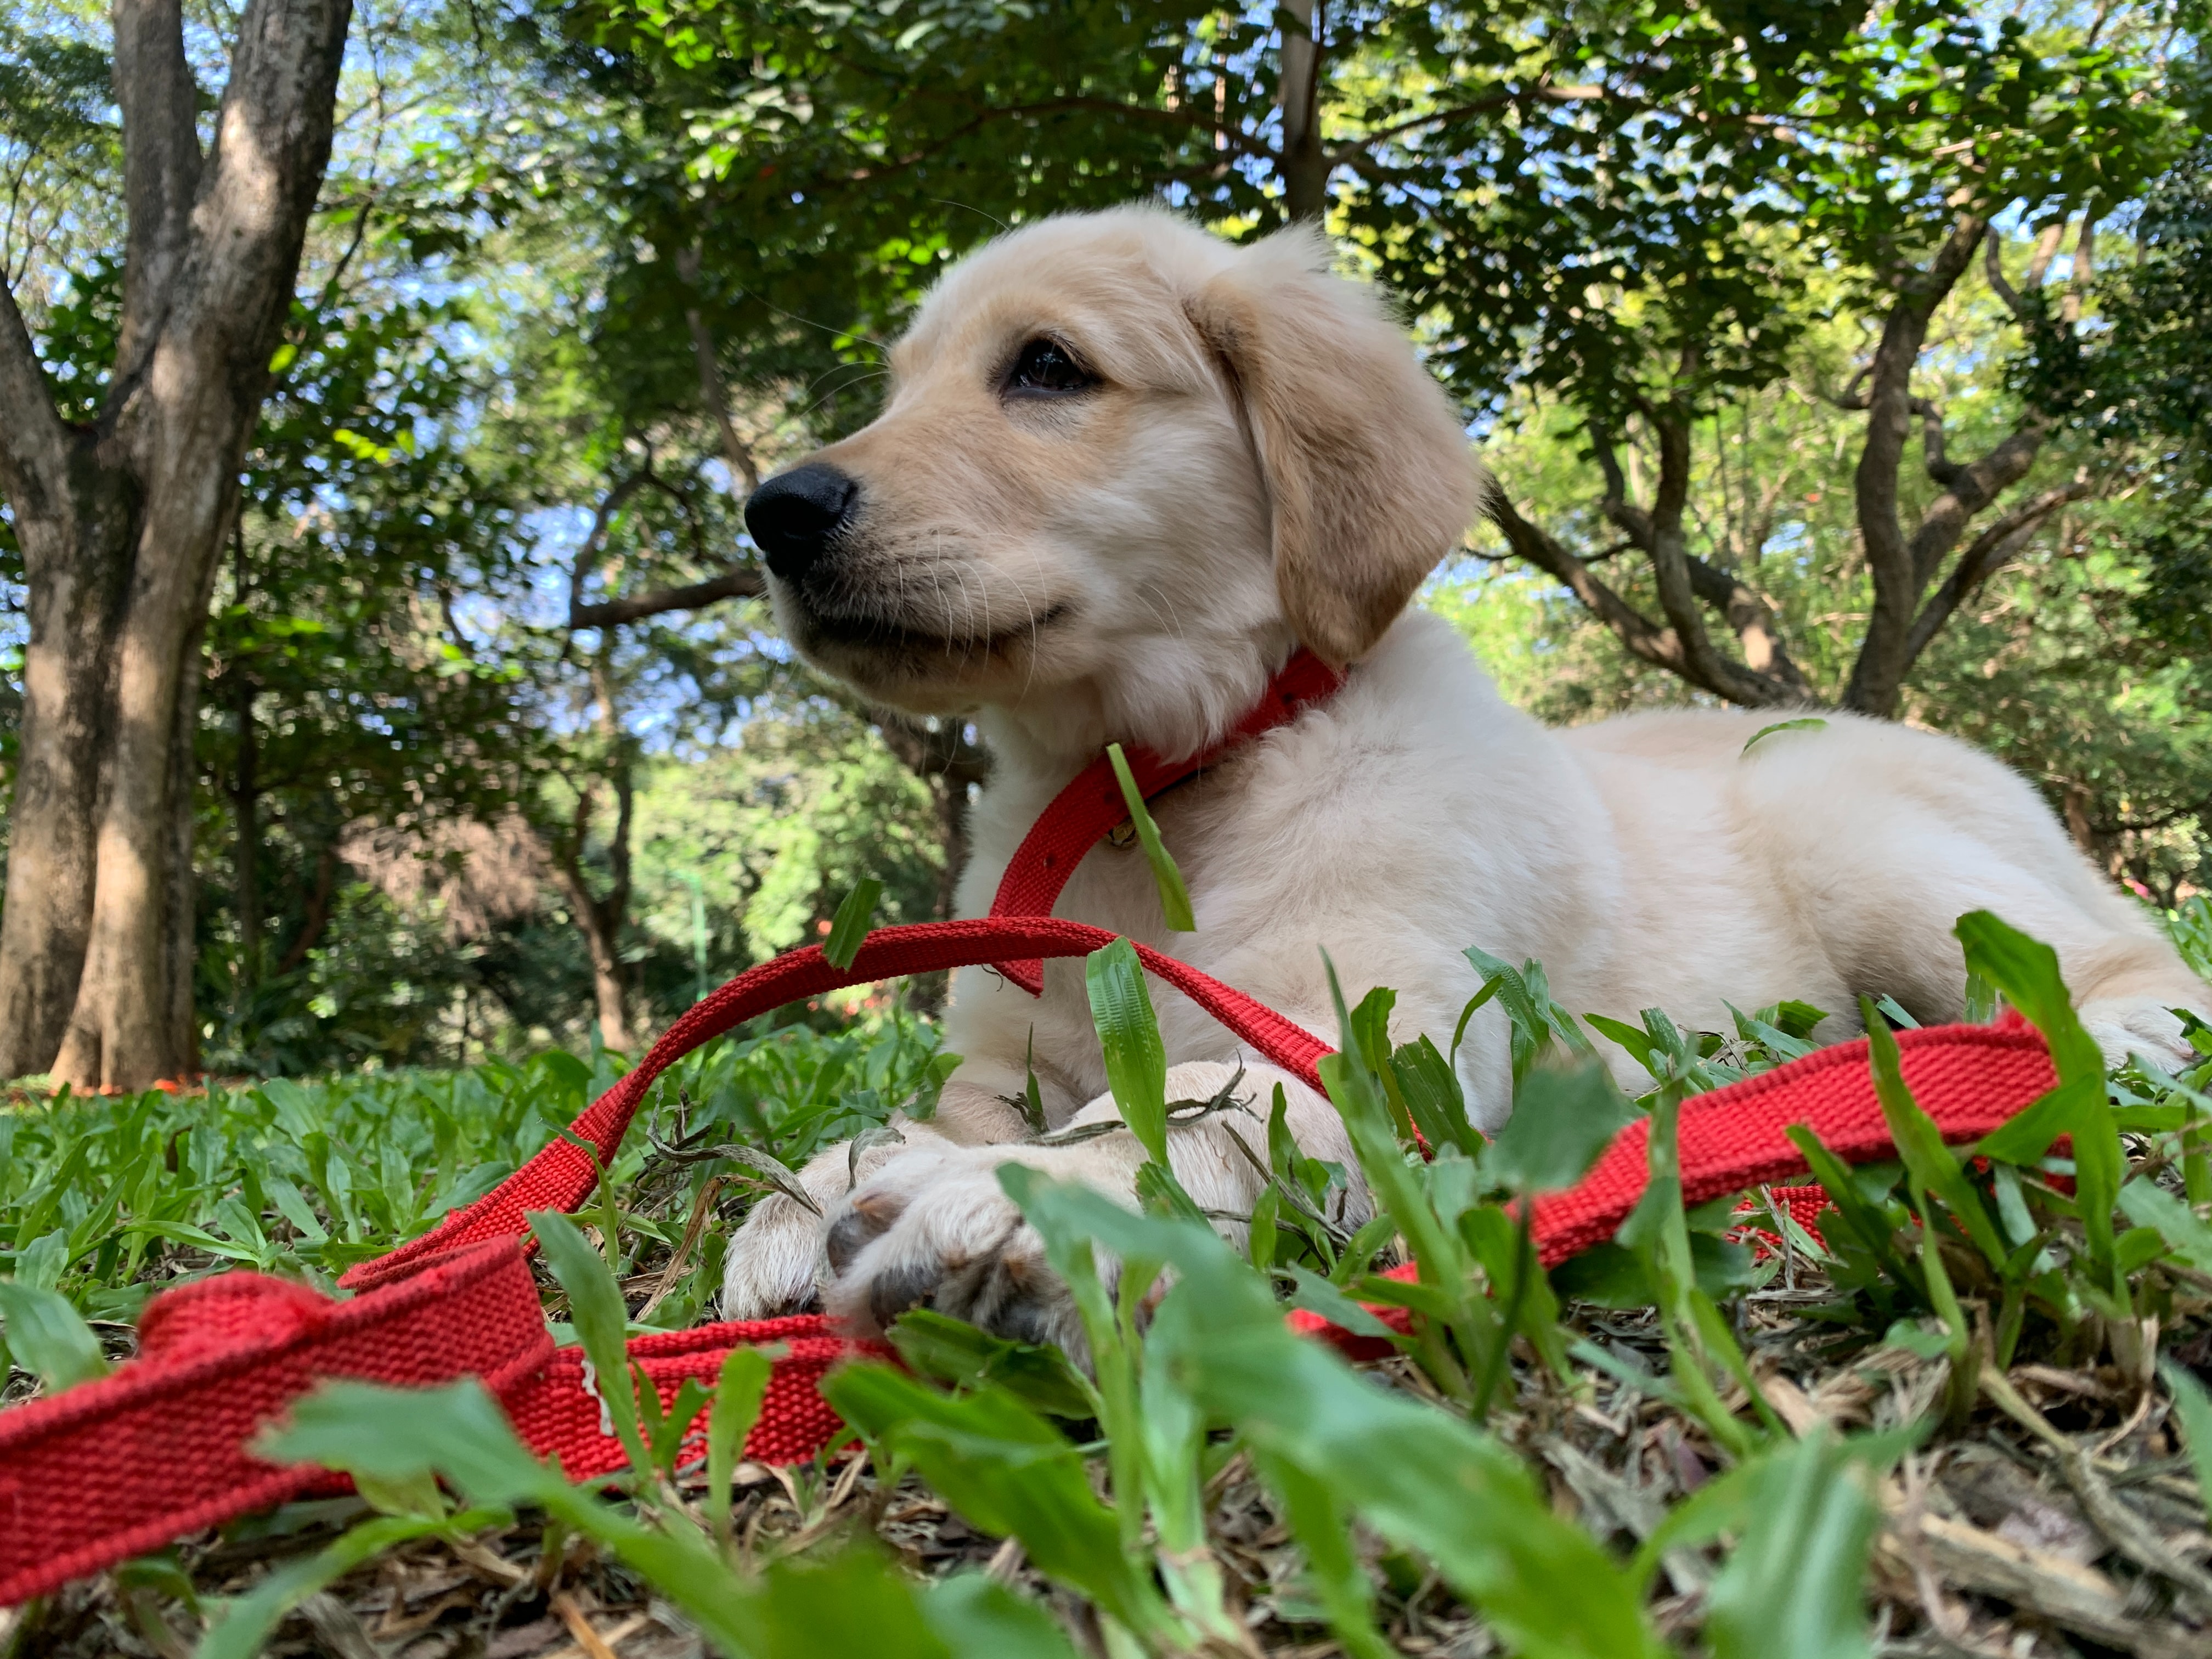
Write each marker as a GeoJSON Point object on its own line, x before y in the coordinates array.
{"type": "Point", "coordinates": [1093, 804]}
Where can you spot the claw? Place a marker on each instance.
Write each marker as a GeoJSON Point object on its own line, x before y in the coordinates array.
{"type": "Point", "coordinates": [892, 1293]}
{"type": "Point", "coordinates": [865, 1220]}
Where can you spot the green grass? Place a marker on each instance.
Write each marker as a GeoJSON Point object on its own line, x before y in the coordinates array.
{"type": "Point", "coordinates": [1671, 1445]}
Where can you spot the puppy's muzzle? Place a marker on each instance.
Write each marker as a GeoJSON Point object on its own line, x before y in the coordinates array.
{"type": "Point", "coordinates": [796, 517]}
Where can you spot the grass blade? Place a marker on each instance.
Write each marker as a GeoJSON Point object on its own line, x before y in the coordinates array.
{"type": "Point", "coordinates": [1175, 898]}
{"type": "Point", "coordinates": [602, 1322]}
{"type": "Point", "coordinates": [1129, 1034]}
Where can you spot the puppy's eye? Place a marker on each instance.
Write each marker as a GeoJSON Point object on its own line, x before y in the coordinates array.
{"type": "Point", "coordinates": [1044, 369]}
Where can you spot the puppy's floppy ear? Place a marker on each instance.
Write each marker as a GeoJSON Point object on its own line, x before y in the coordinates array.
{"type": "Point", "coordinates": [1367, 468]}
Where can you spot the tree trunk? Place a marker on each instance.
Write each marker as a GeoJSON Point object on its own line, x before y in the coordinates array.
{"type": "Point", "coordinates": [318, 915]}
{"type": "Point", "coordinates": [606, 976]}
{"type": "Point", "coordinates": [601, 918]}
{"type": "Point", "coordinates": [1877, 674]}
{"type": "Point", "coordinates": [245, 855]}
{"type": "Point", "coordinates": [600, 921]}
{"type": "Point", "coordinates": [76, 543]}
{"type": "Point", "coordinates": [121, 524]}
{"type": "Point", "coordinates": [1305, 164]}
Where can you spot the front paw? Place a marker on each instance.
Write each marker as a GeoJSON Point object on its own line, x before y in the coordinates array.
{"type": "Point", "coordinates": [2125, 1026]}
{"type": "Point", "coordinates": [776, 1263]}
{"type": "Point", "coordinates": [937, 1230]}
{"type": "Point", "coordinates": [773, 1261]}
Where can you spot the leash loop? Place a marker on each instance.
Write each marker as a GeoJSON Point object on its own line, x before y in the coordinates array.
{"type": "Point", "coordinates": [161, 1447]}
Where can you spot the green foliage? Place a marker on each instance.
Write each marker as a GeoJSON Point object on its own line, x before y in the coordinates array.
{"type": "Point", "coordinates": [849, 928]}
{"type": "Point", "coordinates": [1186, 1361]}
{"type": "Point", "coordinates": [39, 1327]}
{"type": "Point", "coordinates": [1563, 1117]}
{"type": "Point", "coordinates": [101, 1198]}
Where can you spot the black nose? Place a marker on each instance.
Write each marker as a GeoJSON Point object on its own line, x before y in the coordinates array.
{"type": "Point", "coordinates": [793, 517]}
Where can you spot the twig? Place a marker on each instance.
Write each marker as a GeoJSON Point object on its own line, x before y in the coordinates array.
{"type": "Point", "coordinates": [594, 1645]}
{"type": "Point", "coordinates": [2122, 1528]}
{"type": "Point", "coordinates": [2074, 1597]}
{"type": "Point", "coordinates": [702, 1208]}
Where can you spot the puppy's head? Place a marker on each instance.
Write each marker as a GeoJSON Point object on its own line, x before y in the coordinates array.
{"type": "Point", "coordinates": [1125, 460]}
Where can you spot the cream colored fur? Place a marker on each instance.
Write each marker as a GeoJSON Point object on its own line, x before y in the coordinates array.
{"type": "Point", "coordinates": [1264, 462]}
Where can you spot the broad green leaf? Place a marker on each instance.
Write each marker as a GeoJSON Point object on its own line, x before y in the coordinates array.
{"type": "Point", "coordinates": [42, 1263]}
{"type": "Point", "coordinates": [1433, 1096]}
{"type": "Point", "coordinates": [45, 1334]}
{"type": "Point", "coordinates": [1634, 1038]}
{"type": "Point", "coordinates": [2027, 972]}
{"type": "Point", "coordinates": [240, 1628]}
{"type": "Point", "coordinates": [1422, 1476]}
{"type": "Point", "coordinates": [1008, 1472]}
{"type": "Point", "coordinates": [1795, 1588]}
{"type": "Point", "coordinates": [1864, 1220]}
{"type": "Point", "coordinates": [851, 1602]}
{"type": "Point", "coordinates": [953, 1351]}
{"type": "Point", "coordinates": [849, 928]}
{"type": "Point", "coordinates": [2149, 1205]}
{"type": "Point", "coordinates": [1563, 1117]}
{"type": "Point", "coordinates": [740, 1388]}
{"type": "Point", "coordinates": [1316, 1295]}
{"type": "Point", "coordinates": [1334, 1574]}
{"type": "Point", "coordinates": [397, 1435]}
{"type": "Point", "coordinates": [1933, 1166]}
{"type": "Point", "coordinates": [2193, 1406]}
{"type": "Point", "coordinates": [459, 1432]}
{"type": "Point", "coordinates": [974, 1615]}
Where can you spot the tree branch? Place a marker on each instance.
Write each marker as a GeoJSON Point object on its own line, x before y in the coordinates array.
{"type": "Point", "coordinates": [1972, 487]}
{"type": "Point", "coordinates": [737, 454]}
{"type": "Point", "coordinates": [33, 442]}
{"type": "Point", "coordinates": [1615, 503]}
{"type": "Point", "coordinates": [318, 916]}
{"type": "Point", "coordinates": [1643, 639]}
{"type": "Point", "coordinates": [603, 518]}
{"type": "Point", "coordinates": [1753, 621]}
{"type": "Point", "coordinates": [741, 582]}
{"type": "Point", "coordinates": [1767, 675]}
{"type": "Point", "coordinates": [2046, 249]}
{"type": "Point", "coordinates": [1932, 459]}
{"type": "Point", "coordinates": [738, 582]}
{"type": "Point", "coordinates": [155, 87]}
{"type": "Point", "coordinates": [947, 752]}
{"type": "Point", "coordinates": [1993, 270]}
{"type": "Point", "coordinates": [1984, 555]}
{"type": "Point", "coordinates": [1891, 559]}
{"type": "Point", "coordinates": [1679, 597]}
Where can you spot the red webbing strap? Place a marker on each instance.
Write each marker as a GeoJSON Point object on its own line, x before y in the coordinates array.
{"type": "Point", "coordinates": [1969, 1079]}
{"type": "Point", "coordinates": [159, 1447]}
{"type": "Point", "coordinates": [1091, 805]}
{"type": "Point", "coordinates": [556, 1411]}
{"type": "Point", "coordinates": [558, 1177]}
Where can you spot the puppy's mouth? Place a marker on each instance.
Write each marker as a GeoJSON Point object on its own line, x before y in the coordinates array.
{"type": "Point", "coordinates": [914, 641]}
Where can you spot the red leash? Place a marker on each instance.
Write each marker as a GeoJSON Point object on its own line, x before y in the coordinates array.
{"type": "Point", "coordinates": [1091, 805]}
{"type": "Point", "coordinates": [158, 1448]}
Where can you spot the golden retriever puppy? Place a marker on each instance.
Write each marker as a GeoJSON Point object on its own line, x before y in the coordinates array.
{"type": "Point", "coordinates": [1125, 470]}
